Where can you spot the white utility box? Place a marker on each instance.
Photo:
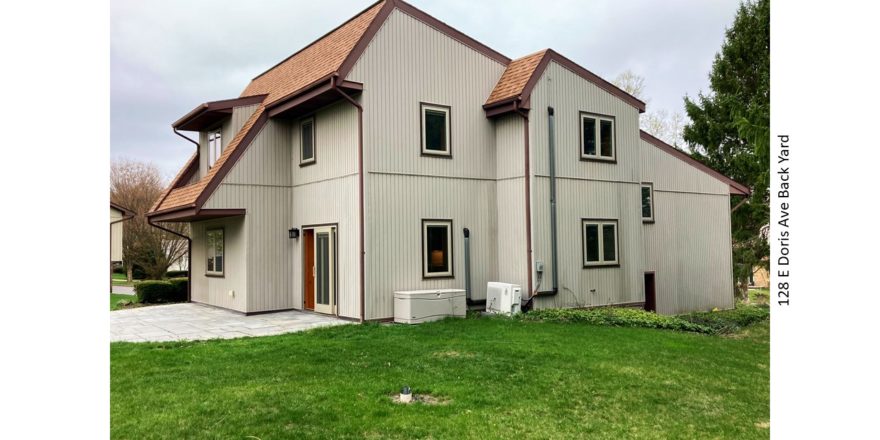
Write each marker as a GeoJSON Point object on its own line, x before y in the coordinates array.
{"type": "Point", "coordinates": [417, 306]}
{"type": "Point", "coordinates": [503, 298]}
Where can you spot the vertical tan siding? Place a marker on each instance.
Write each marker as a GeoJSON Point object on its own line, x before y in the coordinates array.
{"type": "Point", "coordinates": [396, 207]}
{"type": "Point", "coordinates": [406, 63]}
{"type": "Point", "coordinates": [215, 290]}
{"type": "Point", "coordinates": [688, 245]}
{"type": "Point", "coordinates": [510, 204]}
{"type": "Point", "coordinates": [116, 232]}
{"type": "Point", "coordinates": [260, 183]}
{"type": "Point", "coordinates": [591, 190]}
{"type": "Point", "coordinates": [326, 192]}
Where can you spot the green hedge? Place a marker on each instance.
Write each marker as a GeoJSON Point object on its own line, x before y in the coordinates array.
{"type": "Point", "coordinates": [175, 273]}
{"type": "Point", "coordinates": [730, 321]}
{"type": "Point", "coordinates": [153, 292]}
{"type": "Point", "coordinates": [720, 322]}
{"type": "Point", "coordinates": [615, 316]}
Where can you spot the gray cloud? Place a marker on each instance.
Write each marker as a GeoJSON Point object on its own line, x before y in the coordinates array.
{"type": "Point", "coordinates": [169, 56]}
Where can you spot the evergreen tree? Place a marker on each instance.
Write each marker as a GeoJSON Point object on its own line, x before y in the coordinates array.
{"type": "Point", "coordinates": [730, 130]}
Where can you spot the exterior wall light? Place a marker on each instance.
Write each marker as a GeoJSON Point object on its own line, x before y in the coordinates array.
{"type": "Point", "coordinates": [293, 233]}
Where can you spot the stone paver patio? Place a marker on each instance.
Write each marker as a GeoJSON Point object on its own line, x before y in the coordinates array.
{"type": "Point", "coordinates": [190, 321]}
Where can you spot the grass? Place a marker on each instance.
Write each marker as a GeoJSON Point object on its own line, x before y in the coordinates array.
{"type": "Point", "coordinates": [119, 279]}
{"type": "Point", "coordinates": [498, 378]}
{"type": "Point", "coordinates": [115, 298]}
{"type": "Point", "coordinates": [759, 296]}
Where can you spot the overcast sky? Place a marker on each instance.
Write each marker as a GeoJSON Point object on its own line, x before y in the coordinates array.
{"type": "Point", "coordinates": [168, 56]}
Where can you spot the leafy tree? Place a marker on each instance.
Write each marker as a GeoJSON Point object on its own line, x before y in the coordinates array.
{"type": "Point", "coordinates": [662, 124]}
{"type": "Point", "coordinates": [730, 130]}
{"type": "Point", "coordinates": [137, 185]}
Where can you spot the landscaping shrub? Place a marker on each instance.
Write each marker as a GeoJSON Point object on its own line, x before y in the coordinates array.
{"type": "Point", "coordinates": [160, 291]}
{"type": "Point", "coordinates": [618, 317]}
{"type": "Point", "coordinates": [179, 285]}
{"type": "Point", "coordinates": [175, 273]}
{"type": "Point", "coordinates": [719, 322]}
{"type": "Point", "coordinates": [729, 321]}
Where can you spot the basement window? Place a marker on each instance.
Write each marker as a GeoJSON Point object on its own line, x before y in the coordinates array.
{"type": "Point", "coordinates": [648, 202]}
{"type": "Point", "coordinates": [597, 137]}
{"type": "Point", "coordinates": [437, 248]}
{"type": "Point", "coordinates": [307, 141]}
{"type": "Point", "coordinates": [214, 253]}
{"type": "Point", "coordinates": [600, 243]}
{"type": "Point", "coordinates": [435, 130]}
{"type": "Point", "coordinates": [215, 147]}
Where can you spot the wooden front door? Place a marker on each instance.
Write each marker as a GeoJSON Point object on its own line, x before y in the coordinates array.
{"type": "Point", "coordinates": [650, 292]}
{"type": "Point", "coordinates": [309, 269]}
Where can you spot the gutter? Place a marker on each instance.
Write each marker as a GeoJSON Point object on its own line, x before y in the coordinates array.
{"type": "Point", "coordinates": [334, 84]}
{"type": "Point", "coordinates": [189, 245]}
{"type": "Point", "coordinates": [551, 151]}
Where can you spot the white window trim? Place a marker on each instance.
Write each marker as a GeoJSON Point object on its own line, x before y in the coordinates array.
{"type": "Point", "coordinates": [602, 261]}
{"type": "Point", "coordinates": [448, 225]}
{"type": "Point", "coordinates": [650, 187]}
{"type": "Point", "coordinates": [314, 141]}
{"type": "Point", "coordinates": [424, 140]}
{"type": "Point", "coordinates": [212, 253]}
{"type": "Point", "coordinates": [598, 122]}
{"type": "Point", "coordinates": [214, 149]}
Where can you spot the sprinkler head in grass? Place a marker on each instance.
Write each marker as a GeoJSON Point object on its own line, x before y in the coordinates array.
{"type": "Point", "coordinates": [405, 394]}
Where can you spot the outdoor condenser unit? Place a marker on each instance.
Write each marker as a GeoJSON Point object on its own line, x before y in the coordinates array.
{"type": "Point", "coordinates": [503, 298]}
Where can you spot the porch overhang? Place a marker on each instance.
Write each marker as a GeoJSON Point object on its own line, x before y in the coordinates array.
{"type": "Point", "coordinates": [206, 115]}
{"type": "Point", "coordinates": [192, 214]}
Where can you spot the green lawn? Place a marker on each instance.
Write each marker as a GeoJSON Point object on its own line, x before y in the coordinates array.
{"type": "Point", "coordinates": [759, 296]}
{"type": "Point", "coordinates": [499, 378]}
{"type": "Point", "coordinates": [114, 298]}
{"type": "Point", "coordinates": [120, 279]}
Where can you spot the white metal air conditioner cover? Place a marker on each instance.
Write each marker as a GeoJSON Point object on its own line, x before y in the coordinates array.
{"type": "Point", "coordinates": [503, 298]}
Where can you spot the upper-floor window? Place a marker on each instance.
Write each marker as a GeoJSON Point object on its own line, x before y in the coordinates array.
{"type": "Point", "coordinates": [600, 242]}
{"type": "Point", "coordinates": [215, 146]}
{"type": "Point", "coordinates": [436, 248]}
{"type": "Point", "coordinates": [597, 137]}
{"type": "Point", "coordinates": [436, 139]}
{"type": "Point", "coordinates": [307, 141]}
{"type": "Point", "coordinates": [647, 202]}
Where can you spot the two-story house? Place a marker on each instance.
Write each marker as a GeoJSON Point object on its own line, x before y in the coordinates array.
{"type": "Point", "coordinates": [355, 167]}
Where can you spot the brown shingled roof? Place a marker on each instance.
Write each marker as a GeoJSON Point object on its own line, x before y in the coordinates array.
{"type": "Point", "coordinates": [515, 77]}
{"type": "Point", "coordinates": [315, 62]}
{"type": "Point", "coordinates": [514, 88]}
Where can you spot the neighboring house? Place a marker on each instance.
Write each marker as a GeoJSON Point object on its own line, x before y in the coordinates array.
{"type": "Point", "coordinates": [118, 215]}
{"type": "Point", "coordinates": [355, 167]}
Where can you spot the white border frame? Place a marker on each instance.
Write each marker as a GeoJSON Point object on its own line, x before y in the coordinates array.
{"type": "Point", "coordinates": [601, 224]}
{"type": "Point", "coordinates": [311, 160]}
{"type": "Point", "coordinates": [433, 223]}
{"type": "Point", "coordinates": [598, 123]}
{"type": "Point", "coordinates": [448, 114]}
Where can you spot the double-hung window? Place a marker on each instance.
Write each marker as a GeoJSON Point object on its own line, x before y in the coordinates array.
{"type": "Point", "coordinates": [600, 242]}
{"type": "Point", "coordinates": [215, 259]}
{"type": "Point", "coordinates": [307, 141]}
{"type": "Point", "coordinates": [215, 146]}
{"type": "Point", "coordinates": [648, 202]}
{"type": "Point", "coordinates": [597, 137]}
{"type": "Point", "coordinates": [437, 248]}
{"type": "Point", "coordinates": [436, 137]}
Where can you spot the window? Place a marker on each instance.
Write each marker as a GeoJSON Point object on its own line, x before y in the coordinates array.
{"type": "Point", "coordinates": [600, 242]}
{"type": "Point", "coordinates": [215, 146]}
{"type": "Point", "coordinates": [215, 253]}
{"type": "Point", "coordinates": [436, 139]}
{"type": "Point", "coordinates": [307, 141]}
{"type": "Point", "coordinates": [597, 137]}
{"type": "Point", "coordinates": [648, 202]}
{"type": "Point", "coordinates": [437, 248]}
